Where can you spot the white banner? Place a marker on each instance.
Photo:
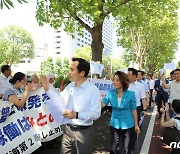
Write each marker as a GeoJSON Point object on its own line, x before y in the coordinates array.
{"type": "Point", "coordinates": [170, 66]}
{"type": "Point", "coordinates": [102, 85]}
{"type": "Point", "coordinates": [16, 134]}
{"type": "Point", "coordinates": [96, 68]}
{"type": "Point", "coordinates": [22, 129]}
{"type": "Point", "coordinates": [39, 116]}
{"type": "Point", "coordinates": [27, 125]}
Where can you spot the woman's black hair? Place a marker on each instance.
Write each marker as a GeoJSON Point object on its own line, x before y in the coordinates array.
{"type": "Point", "coordinates": [17, 76]}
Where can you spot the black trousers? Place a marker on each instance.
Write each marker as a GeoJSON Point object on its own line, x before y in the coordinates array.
{"type": "Point", "coordinates": [127, 135]}
{"type": "Point", "coordinates": [175, 151]}
{"type": "Point", "coordinates": [139, 110]}
{"type": "Point", "coordinates": [150, 99]}
{"type": "Point", "coordinates": [160, 100]}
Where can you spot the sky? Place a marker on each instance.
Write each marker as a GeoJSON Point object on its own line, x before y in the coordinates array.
{"type": "Point", "coordinates": [24, 15]}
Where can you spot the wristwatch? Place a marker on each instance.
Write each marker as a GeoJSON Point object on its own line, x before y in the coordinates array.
{"type": "Point", "coordinates": [76, 115]}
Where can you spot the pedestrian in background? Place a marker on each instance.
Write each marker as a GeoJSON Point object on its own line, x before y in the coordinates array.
{"type": "Point", "coordinates": [162, 93]}
{"type": "Point", "coordinates": [151, 88]}
{"type": "Point", "coordinates": [4, 79]}
{"type": "Point", "coordinates": [35, 81]}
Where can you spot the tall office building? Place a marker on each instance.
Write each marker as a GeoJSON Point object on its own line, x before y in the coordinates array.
{"type": "Point", "coordinates": [66, 46]}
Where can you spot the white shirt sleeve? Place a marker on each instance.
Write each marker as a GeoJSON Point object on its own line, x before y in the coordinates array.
{"type": "Point", "coordinates": [142, 92]}
{"type": "Point", "coordinates": [51, 93]}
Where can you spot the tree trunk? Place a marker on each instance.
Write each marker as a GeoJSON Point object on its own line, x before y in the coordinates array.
{"type": "Point", "coordinates": [97, 44]}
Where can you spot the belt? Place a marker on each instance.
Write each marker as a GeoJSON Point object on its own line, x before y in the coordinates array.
{"type": "Point", "coordinates": [77, 126]}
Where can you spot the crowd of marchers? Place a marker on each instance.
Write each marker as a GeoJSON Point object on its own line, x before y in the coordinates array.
{"type": "Point", "coordinates": [130, 99]}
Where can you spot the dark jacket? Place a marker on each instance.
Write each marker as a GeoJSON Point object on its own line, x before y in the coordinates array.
{"type": "Point", "coordinates": [160, 90]}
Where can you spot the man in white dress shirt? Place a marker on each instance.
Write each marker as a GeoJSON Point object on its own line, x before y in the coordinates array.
{"type": "Point", "coordinates": [144, 83]}
{"type": "Point", "coordinates": [4, 79]}
{"type": "Point", "coordinates": [151, 88]}
{"type": "Point", "coordinates": [139, 90]}
{"type": "Point", "coordinates": [83, 106]}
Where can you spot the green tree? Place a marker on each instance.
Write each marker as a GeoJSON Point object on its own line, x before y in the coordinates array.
{"type": "Point", "coordinates": [179, 64]}
{"type": "Point", "coordinates": [61, 71]}
{"type": "Point", "coordinates": [149, 45]}
{"type": "Point", "coordinates": [15, 44]}
{"type": "Point", "coordinates": [58, 66]}
{"type": "Point", "coordinates": [117, 64]}
{"type": "Point", "coordinates": [114, 63]}
{"type": "Point", "coordinates": [8, 3]}
{"type": "Point", "coordinates": [65, 67]}
{"type": "Point", "coordinates": [84, 52]}
{"type": "Point", "coordinates": [47, 66]}
{"type": "Point", "coordinates": [71, 14]}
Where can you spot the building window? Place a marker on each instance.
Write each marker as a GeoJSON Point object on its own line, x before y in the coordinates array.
{"type": "Point", "coordinates": [22, 61]}
{"type": "Point", "coordinates": [29, 61]}
{"type": "Point", "coordinates": [58, 47]}
{"type": "Point", "coordinates": [58, 42]}
{"type": "Point", "coordinates": [58, 53]}
{"type": "Point", "coordinates": [58, 36]}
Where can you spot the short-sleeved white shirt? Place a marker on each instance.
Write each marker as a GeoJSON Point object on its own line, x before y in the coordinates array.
{"type": "Point", "coordinates": [177, 123]}
{"type": "Point", "coordinates": [145, 84]}
{"type": "Point", "coordinates": [174, 90]}
{"type": "Point", "coordinates": [139, 90]}
{"type": "Point", "coordinates": [151, 84]}
{"type": "Point", "coordinates": [4, 84]}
